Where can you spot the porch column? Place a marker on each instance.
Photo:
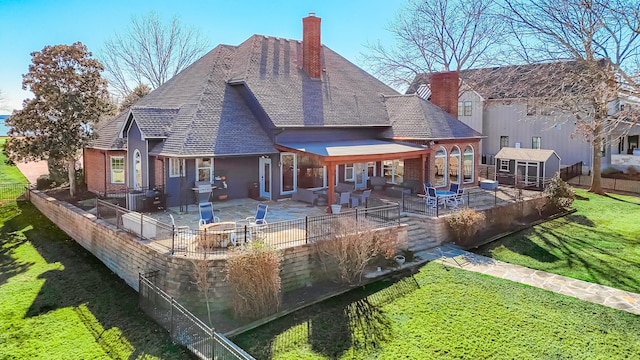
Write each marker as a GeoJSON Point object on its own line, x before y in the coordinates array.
{"type": "Point", "coordinates": [331, 182]}
{"type": "Point", "coordinates": [423, 159]}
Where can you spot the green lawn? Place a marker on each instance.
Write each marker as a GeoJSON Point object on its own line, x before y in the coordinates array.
{"type": "Point", "coordinates": [9, 174]}
{"type": "Point", "coordinates": [57, 301]}
{"type": "Point", "coordinates": [599, 243]}
{"type": "Point", "coordinates": [449, 314]}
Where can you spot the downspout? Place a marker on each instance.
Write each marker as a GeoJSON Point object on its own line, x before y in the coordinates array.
{"type": "Point", "coordinates": [104, 154]}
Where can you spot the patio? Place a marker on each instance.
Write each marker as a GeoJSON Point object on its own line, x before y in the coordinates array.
{"type": "Point", "coordinates": [237, 210]}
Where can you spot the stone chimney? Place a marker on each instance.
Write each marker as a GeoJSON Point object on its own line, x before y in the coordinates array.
{"type": "Point", "coordinates": [311, 46]}
{"type": "Point", "coordinates": [444, 91]}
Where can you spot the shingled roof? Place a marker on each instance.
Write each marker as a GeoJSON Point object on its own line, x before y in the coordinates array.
{"type": "Point", "coordinates": [415, 118]}
{"type": "Point", "coordinates": [518, 81]}
{"type": "Point", "coordinates": [226, 102]}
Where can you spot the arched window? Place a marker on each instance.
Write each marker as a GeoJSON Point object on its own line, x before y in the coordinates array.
{"type": "Point", "coordinates": [137, 169]}
{"type": "Point", "coordinates": [469, 164]}
{"type": "Point", "coordinates": [454, 165]}
{"type": "Point", "coordinates": [441, 167]}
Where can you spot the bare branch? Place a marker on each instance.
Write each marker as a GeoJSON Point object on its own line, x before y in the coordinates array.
{"type": "Point", "coordinates": [150, 52]}
{"type": "Point", "coordinates": [438, 35]}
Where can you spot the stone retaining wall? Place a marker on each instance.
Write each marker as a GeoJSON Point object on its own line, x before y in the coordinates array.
{"type": "Point", "coordinates": [127, 256]}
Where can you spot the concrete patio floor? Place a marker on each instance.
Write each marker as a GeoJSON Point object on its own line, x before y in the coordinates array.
{"type": "Point", "coordinates": [237, 210]}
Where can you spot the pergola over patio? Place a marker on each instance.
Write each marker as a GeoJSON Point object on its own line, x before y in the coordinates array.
{"type": "Point", "coordinates": [335, 153]}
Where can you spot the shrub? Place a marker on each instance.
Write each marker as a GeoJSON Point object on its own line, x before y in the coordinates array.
{"type": "Point", "coordinates": [253, 272]}
{"type": "Point", "coordinates": [559, 193]}
{"type": "Point", "coordinates": [465, 223]}
{"type": "Point", "coordinates": [345, 251]}
{"type": "Point", "coordinates": [201, 273]}
{"type": "Point", "coordinates": [44, 182]}
{"type": "Point", "coordinates": [631, 170]}
{"type": "Point", "coordinates": [610, 171]}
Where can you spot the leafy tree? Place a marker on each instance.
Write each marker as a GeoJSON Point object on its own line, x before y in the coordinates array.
{"type": "Point", "coordinates": [150, 52]}
{"type": "Point", "coordinates": [138, 93]}
{"type": "Point", "coordinates": [69, 97]}
{"type": "Point", "coordinates": [438, 35]}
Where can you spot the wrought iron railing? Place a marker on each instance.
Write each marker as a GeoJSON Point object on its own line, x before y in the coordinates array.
{"type": "Point", "coordinates": [215, 239]}
{"type": "Point", "coordinates": [184, 328]}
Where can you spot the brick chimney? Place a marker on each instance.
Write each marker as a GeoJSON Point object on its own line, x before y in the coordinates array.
{"type": "Point", "coordinates": [311, 46]}
{"type": "Point", "coordinates": [444, 91]}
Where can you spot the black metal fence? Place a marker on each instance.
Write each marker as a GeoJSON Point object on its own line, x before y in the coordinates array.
{"type": "Point", "coordinates": [12, 191]}
{"type": "Point", "coordinates": [440, 206]}
{"type": "Point", "coordinates": [572, 171]}
{"type": "Point", "coordinates": [216, 238]}
{"type": "Point", "coordinates": [184, 328]}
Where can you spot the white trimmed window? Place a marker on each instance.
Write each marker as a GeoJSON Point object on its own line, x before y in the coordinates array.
{"type": "Point", "coordinates": [393, 171]}
{"type": "Point", "coordinates": [117, 169]}
{"type": "Point", "coordinates": [348, 172]}
{"type": "Point", "coordinates": [504, 165]}
{"type": "Point", "coordinates": [504, 141]}
{"type": "Point", "coordinates": [204, 169]}
{"type": "Point", "coordinates": [535, 142]}
{"type": "Point", "coordinates": [175, 164]}
{"type": "Point", "coordinates": [465, 108]}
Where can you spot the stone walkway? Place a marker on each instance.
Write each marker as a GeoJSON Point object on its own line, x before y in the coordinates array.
{"type": "Point", "coordinates": [599, 294]}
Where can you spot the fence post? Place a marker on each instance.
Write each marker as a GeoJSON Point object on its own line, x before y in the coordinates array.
{"type": "Point", "coordinates": [141, 225]}
{"type": "Point", "coordinates": [173, 239]}
{"type": "Point", "coordinates": [98, 209]}
{"type": "Point", "coordinates": [171, 327]}
{"type": "Point", "coordinates": [356, 214]}
{"type": "Point", "coordinates": [306, 229]}
{"type": "Point", "coordinates": [399, 222]}
{"type": "Point", "coordinates": [495, 196]}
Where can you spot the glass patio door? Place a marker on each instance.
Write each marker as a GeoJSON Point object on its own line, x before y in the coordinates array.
{"type": "Point", "coordinates": [265, 178]}
{"type": "Point", "coordinates": [360, 175]}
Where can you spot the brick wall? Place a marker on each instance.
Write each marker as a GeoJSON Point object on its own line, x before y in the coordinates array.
{"type": "Point", "coordinates": [311, 46]}
{"type": "Point", "coordinates": [444, 91]}
{"type": "Point", "coordinates": [159, 172]}
{"type": "Point", "coordinates": [412, 169]}
{"type": "Point", "coordinates": [97, 170]}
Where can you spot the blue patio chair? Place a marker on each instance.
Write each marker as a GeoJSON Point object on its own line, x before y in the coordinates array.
{"type": "Point", "coordinates": [260, 217]}
{"type": "Point", "coordinates": [431, 197]}
{"type": "Point", "coordinates": [454, 187]}
{"type": "Point", "coordinates": [206, 214]}
{"type": "Point", "coordinates": [426, 186]}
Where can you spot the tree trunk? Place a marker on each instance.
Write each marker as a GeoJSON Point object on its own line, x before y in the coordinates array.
{"type": "Point", "coordinates": [596, 178]}
{"type": "Point", "coordinates": [71, 169]}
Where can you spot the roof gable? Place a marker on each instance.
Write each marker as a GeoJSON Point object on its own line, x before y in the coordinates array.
{"type": "Point", "coordinates": [412, 117]}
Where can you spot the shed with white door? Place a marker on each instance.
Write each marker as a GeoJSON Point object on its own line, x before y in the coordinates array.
{"type": "Point", "coordinates": [530, 168]}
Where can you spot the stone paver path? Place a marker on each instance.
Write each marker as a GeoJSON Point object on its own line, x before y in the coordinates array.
{"type": "Point", "coordinates": [599, 294]}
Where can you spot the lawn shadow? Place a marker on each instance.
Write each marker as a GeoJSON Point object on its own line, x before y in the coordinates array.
{"type": "Point", "coordinates": [523, 246]}
{"type": "Point", "coordinates": [9, 267]}
{"type": "Point", "coordinates": [614, 197]}
{"type": "Point", "coordinates": [355, 319]}
{"type": "Point", "coordinates": [84, 282]}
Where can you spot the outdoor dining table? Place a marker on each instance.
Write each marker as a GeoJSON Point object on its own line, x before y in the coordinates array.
{"type": "Point", "coordinates": [446, 195]}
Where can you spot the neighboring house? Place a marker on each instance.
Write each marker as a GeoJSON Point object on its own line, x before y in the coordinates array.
{"type": "Point", "coordinates": [280, 114]}
{"type": "Point", "coordinates": [502, 103]}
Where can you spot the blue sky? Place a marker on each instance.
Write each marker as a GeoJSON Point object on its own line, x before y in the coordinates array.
{"type": "Point", "coordinates": [29, 25]}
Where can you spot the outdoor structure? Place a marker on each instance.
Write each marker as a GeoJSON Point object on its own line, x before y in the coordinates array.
{"type": "Point", "coordinates": [526, 167]}
{"type": "Point", "coordinates": [503, 104]}
{"type": "Point", "coordinates": [270, 116]}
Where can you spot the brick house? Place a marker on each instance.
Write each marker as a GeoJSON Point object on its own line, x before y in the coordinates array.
{"type": "Point", "coordinates": [272, 115]}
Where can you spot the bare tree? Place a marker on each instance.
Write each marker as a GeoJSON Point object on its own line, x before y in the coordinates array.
{"type": "Point", "coordinates": [598, 43]}
{"type": "Point", "coordinates": [438, 35]}
{"type": "Point", "coordinates": [150, 52]}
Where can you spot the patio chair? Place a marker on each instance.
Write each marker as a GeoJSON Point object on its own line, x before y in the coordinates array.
{"type": "Point", "coordinates": [345, 198]}
{"type": "Point", "coordinates": [460, 195]}
{"type": "Point", "coordinates": [206, 214]}
{"type": "Point", "coordinates": [454, 187]}
{"type": "Point", "coordinates": [431, 198]}
{"type": "Point", "coordinates": [360, 198]}
{"type": "Point", "coordinates": [182, 234]}
{"type": "Point", "coordinates": [260, 217]}
{"type": "Point", "coordinates": [426, 186]}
